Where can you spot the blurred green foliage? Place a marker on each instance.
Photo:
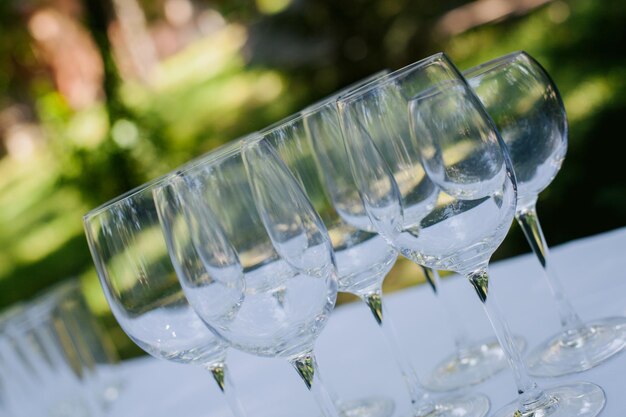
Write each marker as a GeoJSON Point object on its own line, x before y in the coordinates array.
{"type": "Point", "coordinates": [270, 59]}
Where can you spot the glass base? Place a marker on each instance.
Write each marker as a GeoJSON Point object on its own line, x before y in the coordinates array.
{"type": "Point", "coordinates": [479, 362]}
{"type": "Point", "coordinates": [475, 405]}
{"type": "Point", "coordinates": [367, 407]}
{"type": "Point", "coordinates": [561, 355]}
{"type": "Point", "coordinates": [579, 399]}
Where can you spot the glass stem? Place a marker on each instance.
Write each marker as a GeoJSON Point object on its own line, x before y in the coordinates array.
{"type": "Point", "coordinates": [531, 397]}
{"type": "Point", "coordinates": [307, 368]}
{"type": "Point", "coordinates": [222, 377]}
{"type": "Point", "coordinates": [459, 332]}
{"type": "Point", "coordinates": [419, 398]}
{"type": "Point", "coordinates": [529, 222]}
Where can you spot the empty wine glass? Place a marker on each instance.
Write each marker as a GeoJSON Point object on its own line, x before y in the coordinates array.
{"type": "Point", "coordinates": [454, 141]}
{"type": "Point", "coordinates": [16, 374]}
{"type": "Point", "coordinates": [363, 258]}
{"type": "Point", "coordinates": [142, 289]}
{"type": "Point", "coordinates": [371, 407]}
{"type": "Point", "coordinates": [95, 351]}
{"type": "Point", "coordinates": [419, 190]}
{"type": "Point", "coordinates": [41, 356]}
{"type": "Point", "coordinates": [526, 107]}
{"type": "Point", "coordinates": [323, 169]}
{"type": "Point", "coordinates": [269, 282]}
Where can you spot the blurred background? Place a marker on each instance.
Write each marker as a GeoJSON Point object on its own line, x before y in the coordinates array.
{"type": "Point", "coordinates": [99, 96]}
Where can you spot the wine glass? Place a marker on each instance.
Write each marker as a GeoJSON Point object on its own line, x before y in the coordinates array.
{"type": "Point", "coordinates": [268, 284]}
{"type": "Point", "coordinates": [94, 350]}
{"type": "Point", "coordinates": [182, 252]}
{"type": "Point", "coordinates": [371, 407]}
{"type": "Point", "coordinates": [528, 111]}
{"type": "Point", "coordinates": [143, 291]}
{"type": "Point", "coordinates": [454, 142]}
{"type": "Point", "coordinates": [326, 147]}
{"type": "Point", "coordinates": [14, 363]}
{"type": "Point", "coordinates": [329, 183]}
{"type": "Point", "coordinates": [73, 331]}
{"type": "Point", "coordinates": [40, 355]}
{"type": "Point", "coordinates": [363, 258]}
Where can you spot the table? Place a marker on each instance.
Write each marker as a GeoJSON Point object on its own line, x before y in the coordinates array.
{"type": "Point", "coordinates": [355, 361]}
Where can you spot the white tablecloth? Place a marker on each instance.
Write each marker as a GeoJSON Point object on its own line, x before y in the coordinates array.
{"type": "Point", "coordinates": [355, 361]}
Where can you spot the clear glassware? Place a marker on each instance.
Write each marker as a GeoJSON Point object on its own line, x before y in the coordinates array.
{"type": "Point", "coordinates": [182, 251]}
{"type": "Point", "coordinates": [362, 258]}
{"type": "Point", "coordinates": [65, 360]}
{"type": "Point", "coordinates": [142, 289]}
{"type": "Point", "coordinates": [41, 357]}
{"type": "Point", "coordinates": [323, 169]}
{"type": "Point", "coordinates": [94, 348]}
{"type": "Point", "coordinates": [528, 111]}
{"type": "Point", "coordinates": [41, 348]}
{"type": "Point", "coordinates": [16, 371]}
{"type": "Point", "coordinates": [263, 280]}
{"type": "Point", "coordinates": [458, 220]}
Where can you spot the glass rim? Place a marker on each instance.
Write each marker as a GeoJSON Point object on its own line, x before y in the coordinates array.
{"type": "Point", "coordinates": [392, 76]}
{"type": "Point", "coordinates": [59, 290]}
{"type": "Point", "coordinates": [276, 125]}
{"type": "Point", "coordinates": [214, 157]}
{"type": "Point", "coordinates": [344, 91]}
{"type": "Point", "coordinates": [219, 152]}
{"type": "Point", "coordinates": [281, 124]}
{"type": "Point", "coordinates": [316, 106]}
{"type": "Point", "coordinates": [443, 86]}
{"type": "Point", "coordinates": [124, 196]}
{"type": "Point", "coordinates": [10, 313]}
{"type": "Point", "coordinates": [496, 63]}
